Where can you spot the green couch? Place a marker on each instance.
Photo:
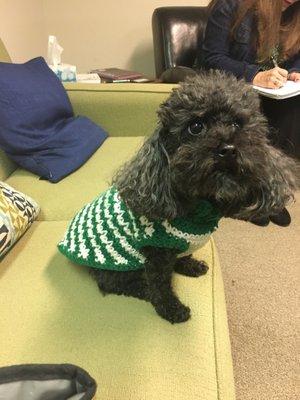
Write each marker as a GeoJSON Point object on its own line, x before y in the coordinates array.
{"type": "Point", "coordinates": [51, 310]}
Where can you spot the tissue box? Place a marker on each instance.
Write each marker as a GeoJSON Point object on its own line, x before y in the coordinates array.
{"type": "Point", "coordinates": [65, 72]}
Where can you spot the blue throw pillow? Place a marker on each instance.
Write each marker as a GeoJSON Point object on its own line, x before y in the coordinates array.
{"type": "Point", "coordinates": [38, 129]}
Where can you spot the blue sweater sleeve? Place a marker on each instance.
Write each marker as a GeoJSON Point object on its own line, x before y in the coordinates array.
{"type": "Point", "coordinates": [216, 47]}
{"type": "Point", "coordinates": [294, 65]}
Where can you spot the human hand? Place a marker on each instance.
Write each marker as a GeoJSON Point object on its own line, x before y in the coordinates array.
{"type": "Point", "coordinates": [294, 76]}
{"type": "Point", "coordinates": [272, 79]}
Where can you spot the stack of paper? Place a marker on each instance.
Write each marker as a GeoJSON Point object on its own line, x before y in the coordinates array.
{"type": "Point", "coordinates": [88, 78]}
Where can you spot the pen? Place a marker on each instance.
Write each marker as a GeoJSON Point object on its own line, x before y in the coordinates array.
{"type": "Point", "coordinates": [276, 65]}
{"type": "Point", "coordinates": [274, 62]}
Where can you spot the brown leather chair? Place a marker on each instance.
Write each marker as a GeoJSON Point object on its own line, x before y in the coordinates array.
{"type": "Point", "coordinates": [178, 33]}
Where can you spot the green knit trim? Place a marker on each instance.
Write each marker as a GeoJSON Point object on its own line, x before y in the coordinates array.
{"type": "Point", "coordinates": [202, 221]}
{"type": "Point", "coordinates": [162, 239]}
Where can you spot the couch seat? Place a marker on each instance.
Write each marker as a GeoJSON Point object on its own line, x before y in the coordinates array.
{"type": "Point", "coordinates": [60, 201]}
{"type": "Point", "coordinates": [52, 312]}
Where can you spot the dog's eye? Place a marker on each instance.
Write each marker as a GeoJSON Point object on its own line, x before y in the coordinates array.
{"type": "Point", "coordinates": [196, 127]}
{"type": "Point", "coordinates": [235, 125]}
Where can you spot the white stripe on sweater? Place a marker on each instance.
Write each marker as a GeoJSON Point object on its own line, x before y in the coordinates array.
{"type": "Point", "coordinates": [122, 239]}
{"type": "Point", "coordinates": [72, 234]}
{"type": "Point", "coordinates": [99, 256]}
{"type": "Point", "coordinates": [189, 237]}
{"type": "Point", "coordinates": [119, 214]}
{"type": "Point", "coordinates": [103, 235]}
{"type": "Point", "coordinates": [149, 228]}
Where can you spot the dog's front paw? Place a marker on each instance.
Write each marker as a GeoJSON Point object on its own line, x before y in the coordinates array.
{"type": "Point", "coordinates": [173, 311]}
{"type": "Point", "coordinates": [188, 266]}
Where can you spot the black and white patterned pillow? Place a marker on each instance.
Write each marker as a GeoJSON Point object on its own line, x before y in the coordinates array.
{"type": "Point", "coordinates": [17, 212]}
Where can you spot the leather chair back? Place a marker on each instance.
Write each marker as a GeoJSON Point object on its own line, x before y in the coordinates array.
{"type": "Point", "coordinates": [177, 36]}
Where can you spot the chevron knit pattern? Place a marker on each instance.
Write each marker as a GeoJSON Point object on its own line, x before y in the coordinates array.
{"type": "Point", "coordinates": [106, 235]}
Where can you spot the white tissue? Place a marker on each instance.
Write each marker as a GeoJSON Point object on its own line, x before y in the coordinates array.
{"type": "Point", "coordinates": [54, 51]}
{"type": "Point", "coordinates": [65, 72]}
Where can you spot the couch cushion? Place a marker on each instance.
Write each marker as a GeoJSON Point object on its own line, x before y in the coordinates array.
{"type": "Point", "coordinates": [62, 200]}
{"type": "Point", "coordinates": [123, 109]}
{"type": "Point", "coordinates": [52, 312]}
{"type": "Point", "coordinates": [38, 129]}
{"type": "Point", "coordinates": [17, 212]}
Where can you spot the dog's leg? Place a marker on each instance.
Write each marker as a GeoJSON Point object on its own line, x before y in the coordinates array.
{"type": "Point", "coordinates": [188, 266]}
{"type": "Point", "coordinates": [159, 268]}
{"type": "Point", "coordinates": [129, 283]}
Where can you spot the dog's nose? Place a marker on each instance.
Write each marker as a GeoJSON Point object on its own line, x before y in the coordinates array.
{"type": "Point", "coordinates": [226, 151]}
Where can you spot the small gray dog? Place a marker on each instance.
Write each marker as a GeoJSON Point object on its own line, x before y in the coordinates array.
{"type": "Point", "coordinates": [209, 158]}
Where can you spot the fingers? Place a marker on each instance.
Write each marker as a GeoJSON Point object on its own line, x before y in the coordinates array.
{"type": "Point", "coordinates": [275, 82]}
{"type": "Point", "coordinates": [273, 85]}
{"type": "Point", "coordinates": [272, 79]}
{"type": "Point", "coordinates": [283, 72]}
{"type": "Point", "coordinates": [278, 77]}
{"type": "Point", "coordinates": [265, 79]}
{"type": "Point", "coordinates": [294, 76]}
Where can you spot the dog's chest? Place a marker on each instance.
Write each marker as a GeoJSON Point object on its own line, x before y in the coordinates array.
{"type": "Point", "coordinates": [194, 229]}
{"type": "Point", "coordinates": [196, 245]}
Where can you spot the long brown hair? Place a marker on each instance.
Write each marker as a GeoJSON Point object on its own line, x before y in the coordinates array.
{"type": "Point", "coordinates": [273, 26]}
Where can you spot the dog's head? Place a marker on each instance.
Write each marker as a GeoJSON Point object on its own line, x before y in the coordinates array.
{"type": "Point", "coordinates": [211, 143]}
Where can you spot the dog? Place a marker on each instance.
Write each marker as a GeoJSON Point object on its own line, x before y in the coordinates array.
{"type": "Point", "coordinates": [209, 158]}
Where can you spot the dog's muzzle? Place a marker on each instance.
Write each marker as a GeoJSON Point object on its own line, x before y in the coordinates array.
{"type": "Point", "coordinates": [226, 152]}
{"type": "Point", "coordinates": [226, 157]}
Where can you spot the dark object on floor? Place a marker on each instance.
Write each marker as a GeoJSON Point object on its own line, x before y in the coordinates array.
{"type": "Point", "coordinates": [210, 145]}
{"type": "Point", "coordinates": [45, 381]}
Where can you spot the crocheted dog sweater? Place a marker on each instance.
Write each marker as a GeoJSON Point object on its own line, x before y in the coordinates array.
{"type": "Point", "coordinates": [105, 234]}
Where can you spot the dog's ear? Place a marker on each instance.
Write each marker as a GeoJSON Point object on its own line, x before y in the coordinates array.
{"type": "Point", "coordinates": [144, 183]}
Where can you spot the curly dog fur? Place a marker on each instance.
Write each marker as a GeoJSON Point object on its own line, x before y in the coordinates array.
{"type": "Point", "coordinates": [211, 143]}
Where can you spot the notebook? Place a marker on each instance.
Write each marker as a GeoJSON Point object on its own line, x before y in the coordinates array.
{"type": "Point", "coordinates": [290, 89]}
{"type": "Point", "coordinates": [117, 74]}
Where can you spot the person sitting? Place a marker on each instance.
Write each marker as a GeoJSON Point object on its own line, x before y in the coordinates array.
{"type": "Point", "coordinates": [259, 41]}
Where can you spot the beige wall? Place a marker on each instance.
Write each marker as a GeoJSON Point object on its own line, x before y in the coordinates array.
{"type": "Point", "coordinates": [103, 33]}
{"type": "Point", "coordinates": [22, 28]}
{"type": "Point", "coordinates": [94, 33]}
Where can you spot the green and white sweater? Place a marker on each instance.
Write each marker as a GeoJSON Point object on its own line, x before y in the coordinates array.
{"type": "Point", "coordinates": [106, 235]}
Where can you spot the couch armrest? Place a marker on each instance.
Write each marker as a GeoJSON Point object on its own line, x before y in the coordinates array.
{"type": "Point", "coordinates": [122, 109]}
